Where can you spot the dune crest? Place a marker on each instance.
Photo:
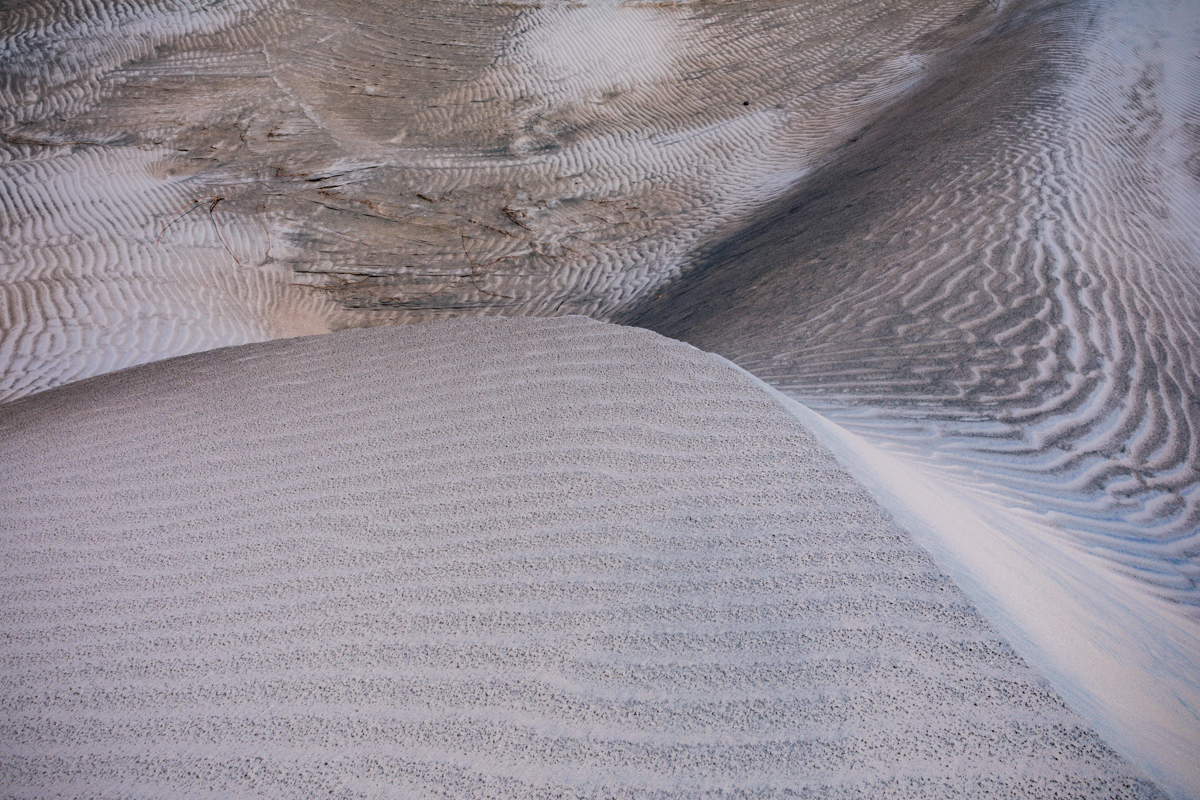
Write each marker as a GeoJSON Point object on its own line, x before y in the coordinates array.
{"type": "Point", "coordinates": [965, 233]}
{"type": "Point", "coordinates": [1006, 293]}
{"type": "Point", "coordinates": [523, 558]}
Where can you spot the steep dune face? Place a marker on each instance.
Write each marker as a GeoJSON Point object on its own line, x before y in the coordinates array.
{"type": "Point", "coordinates": [282, 168]}
{"type": "Point", "coordinates": [999, 281]}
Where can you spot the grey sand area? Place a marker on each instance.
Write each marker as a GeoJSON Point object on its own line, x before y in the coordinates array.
{"type": "Point", "coordinates": [486, 558]}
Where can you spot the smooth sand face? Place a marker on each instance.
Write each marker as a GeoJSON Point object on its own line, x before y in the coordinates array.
{"type": "Point", "coordinates": [513, 558]}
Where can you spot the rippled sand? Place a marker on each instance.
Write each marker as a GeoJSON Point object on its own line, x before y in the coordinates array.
{"type": "Point", "coordinates": [1008, 291]}
{"type": "Point", "coordinates": [1005, 297]}
{"type": "Point", "coordinates": [515, 558]}
{"type": "Point", "coordinates": [966, 236]}
{"type": "Point", "coordinates": [478, 158]}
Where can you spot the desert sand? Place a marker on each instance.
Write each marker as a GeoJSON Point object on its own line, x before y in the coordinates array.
{"type": "Point", "coordinates": [518, 558]}
{"type": "Point", "coordinates": [956, 242]}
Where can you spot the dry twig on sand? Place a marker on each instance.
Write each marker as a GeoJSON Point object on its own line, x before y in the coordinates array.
{"type": "Point", "coordinates": [212, 201]}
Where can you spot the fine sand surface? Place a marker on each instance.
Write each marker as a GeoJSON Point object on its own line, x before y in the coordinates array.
{"type": "Point", "coordinates": [998, 287]}
{"type": "Point", "coordinates": [1001, 281]}
{"type": "Point", "coordinates": [960, 241]}
{"type": "Point", "coordinates": [488, 558]}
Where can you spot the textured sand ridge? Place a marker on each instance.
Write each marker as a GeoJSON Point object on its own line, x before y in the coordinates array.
{"type": "Point", "coordinates": [998, 285]}
{"type": "Point", "coordinates": [495, 558]}
{"type": "Point", "coordinates": [965, 234]}
{"type": "Point", "coordinates": [1001, 281]}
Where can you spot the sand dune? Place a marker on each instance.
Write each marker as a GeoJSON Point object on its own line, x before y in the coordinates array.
{"type": "Point", "coordinates": [1005, 297]}
{"type": "Point", "coordinates": [966, 236]}
{"type": "Point", "coordinates": [510, 558]}
{"type": "Point", "coordinates": [1014, 299]}
{"type": "Point", "coordinates": [998, 286]}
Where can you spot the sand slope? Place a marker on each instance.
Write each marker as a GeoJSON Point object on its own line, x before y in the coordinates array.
{"type": "Point", "coordinates": [999, 281]}
{"type": "Point", "coordinates": [982, 272]}
{"type": "Point", "coordinates": [484, 558]}
{"type": "Point", "coordinates": [997, 285]}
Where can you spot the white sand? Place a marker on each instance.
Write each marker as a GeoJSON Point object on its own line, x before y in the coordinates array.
{"type": "Point", "coordinates": [1127, 662]}
{"type": "Point", "coordinates": [488, 558]}
{"type": "Point", "coordinates": [993, 302]}
{"type": "Point", "coordinates": [992, 284]}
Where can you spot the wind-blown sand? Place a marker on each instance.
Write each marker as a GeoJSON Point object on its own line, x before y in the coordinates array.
{"type": "Point", "coordinates": [997, 288]}
{"type": "Point", "coordinates": [963, 235]}
{"type": "Point", "coordinates": [475, 158]}
{"type": "Point", "coordinates": [487, 558]}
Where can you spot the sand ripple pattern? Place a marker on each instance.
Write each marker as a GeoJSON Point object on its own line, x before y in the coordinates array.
{"type": "Point", "coordinates": [508, 558]}
{"type": "Point", "coordinates": [92, 282]}
{"type": "Point", "coordinates": [999, 282]}
{"type": "Point", "coordinates": [476, 159]}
